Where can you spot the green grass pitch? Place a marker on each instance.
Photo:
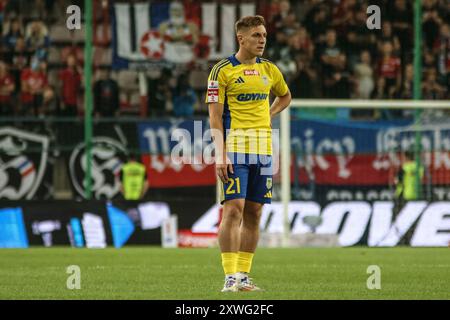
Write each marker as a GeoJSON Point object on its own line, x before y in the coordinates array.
{"type": "Point", "coordinates": [292, 274]}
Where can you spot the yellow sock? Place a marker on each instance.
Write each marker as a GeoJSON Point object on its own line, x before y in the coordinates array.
{"type": "Point", "coordinates": [244, 261]}
{"type": "Point", "coordinates": [229, 260]}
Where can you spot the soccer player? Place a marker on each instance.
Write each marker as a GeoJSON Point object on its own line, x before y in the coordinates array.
{"type": "Point", "coordinates": [240, 119]}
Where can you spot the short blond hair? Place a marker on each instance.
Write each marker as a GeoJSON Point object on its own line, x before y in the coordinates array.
{"type": "Point", "coordinates": [249, 22]}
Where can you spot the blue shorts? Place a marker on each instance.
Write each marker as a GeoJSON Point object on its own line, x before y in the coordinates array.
{"type": "Point", "coordinates": [251, 180]}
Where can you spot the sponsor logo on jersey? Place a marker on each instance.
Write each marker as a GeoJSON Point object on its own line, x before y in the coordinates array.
{"type": "Point", "coordinates": [251, 72]}
{"type": "Point", "coordinates": [252, 96]}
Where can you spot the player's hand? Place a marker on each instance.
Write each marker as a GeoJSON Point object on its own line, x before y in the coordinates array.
{"type": "Point", "coordinates": [223, 168]}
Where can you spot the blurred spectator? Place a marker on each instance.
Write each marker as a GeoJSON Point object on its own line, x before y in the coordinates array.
{"type": "Point", "coordinates": [18, 59]}
{"type": "Point", "coordinates": [12, 7]}
{"type": "Point", "coordinates": [12, 31]}
{"type": "Point", "coordinates": [380, 92]}
{"type": "Point", "coordinates": [19, 55]}
{"type": "Point", "coordinates": [159, 93]}
{"type": "Point", "coordinates": [343, 16]}
{"type": "Point", "coordinates": [429, 61]}
{"type": "Point", "coordinates": [304, 83]}
{"type": "Point", "coordinates": [401, 16]}
{"type": "Point", "coordinates": [442, 48]}
{"type": "Point", "coordinates": [406, 89]}
{"type": "Point", "coordinates": [445, 9]}
{"type": "Point", "coordinates": [6, 90]}
{"type": "Point", "coordinates": [334, 63]}
{"type": "Point", "coordinates": [431, 22]}
{"type": "Point", "coordinates": [284, 9]}
{"type": "Point", "coordinates": [388, 36]}
{"type": "Point", "coordinates": [287, 65]}
{"type": "Point", "coordinates": [270, 10]}
{"type": "Point", "coordinates": [49, 105]}
{"type": "Point", "coordinates": [75, 51]}
{"type": "Point", "coordinates": [33, 80]}
{"type": "Point", "coordinates": [389, 67]}
{"type": "Point", "coordinates": [317, 21]}
{"type": "Point", "coordinates": [363, 73]}
{"type": "Point", "coordinates": [431, 89]}
{"type": "Point", "coordinates": [359, 37]}
{"type": "Point", "coordinates": [2, 10]}
{"type": "Point", "coordinates": [106, 95]}
{"type": "Point", "coordinates": [184, 98]}
{"type": "Point", "coordinates": [37, 38]}
{"type": "Point", "coordinates": [300, 42]}
{"type": "Point", "coordinates": [42, 9]}
{"type": "Point", "coordinates": [70, 87]}
{"type": "Point", "coordinates": [280, 45]}
{"type": "Point", "coordinates": [289, 24]}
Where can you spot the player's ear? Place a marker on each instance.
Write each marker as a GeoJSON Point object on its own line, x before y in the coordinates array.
{"type": "Point", "coordinates": [239, 37]}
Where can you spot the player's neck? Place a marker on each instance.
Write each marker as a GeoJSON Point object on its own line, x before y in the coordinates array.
{"type": "Point", "coordinates": [245, 58]}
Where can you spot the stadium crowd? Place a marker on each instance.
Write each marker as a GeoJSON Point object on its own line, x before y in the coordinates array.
{"type": "Point", "coordinates": [323, 48]}
{"type": "Point", "coordinates": [326, 50]}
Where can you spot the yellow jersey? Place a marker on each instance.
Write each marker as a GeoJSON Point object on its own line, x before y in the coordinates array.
{"type": "Point", "coordinates": [244, 91]}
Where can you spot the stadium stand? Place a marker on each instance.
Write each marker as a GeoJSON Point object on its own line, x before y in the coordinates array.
{"type": "Point", "coordinates": [322, 47]}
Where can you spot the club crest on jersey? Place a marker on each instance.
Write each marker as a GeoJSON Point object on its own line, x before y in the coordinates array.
{"type": "Point", "coordinates": [251, 73]}
{"type": "Point", "coordinates": [265, 80]}
{"type": "Point", "coordinates": [269, 183]}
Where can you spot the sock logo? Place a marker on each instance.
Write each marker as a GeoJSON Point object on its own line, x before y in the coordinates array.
{"type": "Point", "coordinates": [269, 183]}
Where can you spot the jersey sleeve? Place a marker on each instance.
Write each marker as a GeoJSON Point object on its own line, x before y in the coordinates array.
{"type": "Point", "coordinates": [217, 85]}
{"type": "Point", "coordinates": [279, 86]}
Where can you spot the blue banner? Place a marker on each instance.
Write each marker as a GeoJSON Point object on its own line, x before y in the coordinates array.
{"type": "Point", "coordinates": [12, 229]}
{"type": "Point", "coordinates": [362, 134]}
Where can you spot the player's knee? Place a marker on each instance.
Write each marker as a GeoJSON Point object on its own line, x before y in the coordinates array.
{"type": "Point", "coordinates": [233, 214]}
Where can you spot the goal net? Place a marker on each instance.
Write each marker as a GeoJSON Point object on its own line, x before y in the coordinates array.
{"type": "Point", "coordinates": [354, 150]}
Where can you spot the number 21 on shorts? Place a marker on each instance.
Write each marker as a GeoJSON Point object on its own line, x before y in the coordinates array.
{"type": "Point", "coordinates": [234, 186]}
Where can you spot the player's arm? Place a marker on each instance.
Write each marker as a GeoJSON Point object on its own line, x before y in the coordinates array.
{"type": "Point", "coordinates": [281, 91]}
{"type": "Point", "coordinates": [217, 135]}
{"type": "Point", "coordinates": [280, 103]}
{"type": "Point", "coordinates": [215, 98]}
